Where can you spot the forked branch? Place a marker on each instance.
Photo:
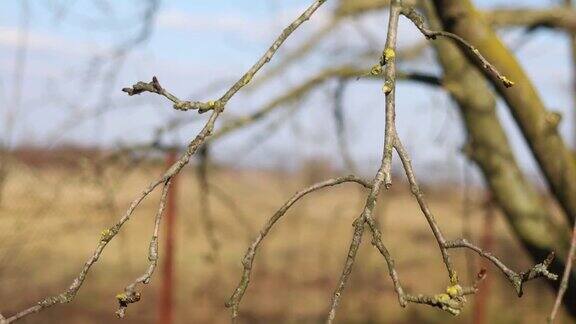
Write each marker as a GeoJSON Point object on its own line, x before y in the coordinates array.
{"type": "Point", "coordinates": [217, 108]}
{"type": "Point", "coordinates": [130, 295]}
{"type": "Point", "coordinates": [248, 260]}
{"type": "Point", "coordinates": [451, 300]}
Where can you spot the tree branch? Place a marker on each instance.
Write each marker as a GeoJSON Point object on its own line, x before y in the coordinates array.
{"type": "Point", "coordinates": [130, 295]}
{"type": "Point", "coordinates": [217, 108]}
{"type": "Point", "coordinates": [565, 276]}
{"type": "Point", "coordinates": [418, 21]}
{"type": "Point", "coordinates": [248, 260]}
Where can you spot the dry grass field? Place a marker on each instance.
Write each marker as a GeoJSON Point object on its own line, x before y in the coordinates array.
{"type": "Point", "coordinates": [51, 219]}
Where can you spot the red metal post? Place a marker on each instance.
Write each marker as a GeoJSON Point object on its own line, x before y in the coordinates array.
{"type": "Point", "coordinates": [166, 302]}
{"type": "Point", "coordinates": [483, 294]}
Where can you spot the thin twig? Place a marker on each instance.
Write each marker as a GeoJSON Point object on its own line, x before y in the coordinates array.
{"type": "Point", "coordinates": [299, 52]}
{"type": "Point", "coordinates": [516, 279]}
{"type": "Point", "coordinates": [106, 236]}
{"type": "Point", "coordinates": [388, 60]}
{"type": "Point", "coordinates": [219, 104]}
{"type": "Point", "coordinates": [382, 176]}
{"type": "Point", "coordinates": [343, 72]}
{"type": "Point", "coordinates": [565, 277]}
{"type": "Point", "coordinates": [415, 189]}
{"type": "Point", "coordinates": [348, 264]}
{"type": "Point", "coordinates": [130, 295]}
{"type": "Point", "coordinates": [418, 21]}
{"type": "Point", "coordinates": [454, 299]}
{"type": "Point", "coordinates": [217, 108]}
{"type": "Point", "coordinates": [247, 262]}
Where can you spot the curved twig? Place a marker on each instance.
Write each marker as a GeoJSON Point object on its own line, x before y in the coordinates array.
{"type": "Point", "coordinates": [217, 108]}
{"type": "Point", "coordinates": [130, 295]}
{"type": "Point", "coordinates": [418, 20]}
{"type": "Point", "coordinates": [248, 260]}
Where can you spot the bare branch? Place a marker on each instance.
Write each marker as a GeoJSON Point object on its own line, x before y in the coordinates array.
{"type": "Point", "coordinates": [217, 108]}
{"type": "Point", "coordinates": [415, 189]}
{"type": "Point", "coordinates": [106, 236]}
{"type": "Point", "coordinates": [130, 295]}
{"type": "Point", "coordinates": [344, 72]}
{"type": "Point", "coordinates": [348, 264]}
{"type": "Point", "coordinates": [516, 279]}
{"type": "Point", "coordinates": [384, 172]}
{"type": "Point", "coordinates": [298, 53]}
{"type": "Point", "coordinates": [418, 21]}
{"type": "Point", "coordinates": [453, 299]}
{"type": "Point", "coordinates": [565, 277]}
{"type": "Point", "coordinates": [247, 262]}
{"type": "Point", "coordinates": [388, 59]}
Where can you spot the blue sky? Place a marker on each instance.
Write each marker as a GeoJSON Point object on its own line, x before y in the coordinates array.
{"type": "Point", "coordinates": [196, 44]}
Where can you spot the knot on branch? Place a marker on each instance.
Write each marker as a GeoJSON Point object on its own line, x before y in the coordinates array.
{"type": "Point", "coordinates": [202, 107]}
{"type": "Point", "coordinates": [107, 234]}
{"type": "Point", "coordinates": [450, 304]}
{"type": "Point", "coordinates": [552, 120]}
{"type": "Point", "coordinates": [507, 82]}
{"type": "Point", "coordinates": [418, 20]}
{"type": "Point", "coordinates": [388, 87]}
{"type": "Point", "coordinates": [138, 88]}
{"type": "Point", "coordinates": [376, 70]}
{"type": "Point", "coordinates": [124, 299]}
{"type": "Point", "coordinates": [53, 300]}
{"type": "Point", "coordinates": [183, 105]}
{"type": "Point", "coordinates": [537, 271]}
{"type": "Point", "coordinates": [452, 301]}
{"type": "Point", "coordinates": [153, 250]}
{"type": "Point", "coordinates": [388, 55]}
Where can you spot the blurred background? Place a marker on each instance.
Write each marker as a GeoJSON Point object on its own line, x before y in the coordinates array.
{"type": "Point", "coordinates": [75, 150]}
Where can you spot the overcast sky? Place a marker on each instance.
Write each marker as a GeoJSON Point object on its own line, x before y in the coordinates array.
{"type": "Point", "coordinates": [197, 48]}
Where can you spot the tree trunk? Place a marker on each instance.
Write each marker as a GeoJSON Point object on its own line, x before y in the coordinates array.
{"type": "Point", "coordinates": [538, 125]}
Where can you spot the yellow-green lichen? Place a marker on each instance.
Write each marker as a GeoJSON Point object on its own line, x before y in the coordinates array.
{"type": "Point", "coordinates": [389, 54]}
{"type": "Point", "coordinates": [376, 70]}
{"type": "Point", "coordinates": [454, 278]}
{"type": "Point", "coordinates": [122, 297]}
{"type": "Point", "coordinates": [507, 82]}
{"type": "Point", "coordinates": [106, 235]}
{"type": "Point", "coordinates": [246, 80]}
{"type": "Point", "coordinates": [454, 290]}
{"type": "Point", "coordinates": [442, 298]}
{"type": "Point", "coordinates": [387, 87]}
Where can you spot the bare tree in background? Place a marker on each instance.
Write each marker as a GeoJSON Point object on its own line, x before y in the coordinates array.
{"type": "Point", "coordinates": [477, 68]}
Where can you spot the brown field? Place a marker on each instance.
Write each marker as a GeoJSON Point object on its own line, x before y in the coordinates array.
{"type": "Point", "coordinates": [51, 219]}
